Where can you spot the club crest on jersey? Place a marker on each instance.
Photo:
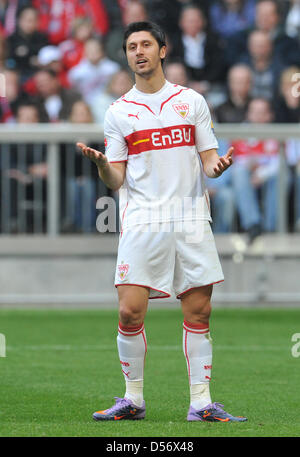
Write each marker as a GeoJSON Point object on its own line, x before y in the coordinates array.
{"type": "Point", "coordinates": [123, 270]}
{"type": "Point", "coordinates": [182, 109]}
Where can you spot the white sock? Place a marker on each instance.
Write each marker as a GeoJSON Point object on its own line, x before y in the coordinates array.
{"type": "Point", "coordinates": [132, 347]}
{"type": "Point", "coordinates": [200, 395]}
{"type": "Point", "coordinates": [134, 392]}
{"type": "Point", "coordinates": [197, 349]}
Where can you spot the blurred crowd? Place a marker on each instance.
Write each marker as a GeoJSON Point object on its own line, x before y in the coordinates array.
{"type": "Point", "coordinates": [63, 62]}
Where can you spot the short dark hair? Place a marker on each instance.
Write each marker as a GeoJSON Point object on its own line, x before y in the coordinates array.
{"type": "Point", "coordinates": [145, 26]}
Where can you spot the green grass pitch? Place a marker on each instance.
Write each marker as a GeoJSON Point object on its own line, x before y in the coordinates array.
{"type": "Point", "coordinates": [62, 365]}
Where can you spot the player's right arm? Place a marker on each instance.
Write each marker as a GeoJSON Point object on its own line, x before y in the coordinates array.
{"type": "Point", "coordinates": [112, 174]}
{"type": "Point", "coordinates": [111, 165]}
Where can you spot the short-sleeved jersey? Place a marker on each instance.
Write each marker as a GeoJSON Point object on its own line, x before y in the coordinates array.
{"type": "Point", "coordinates": [160, 136]}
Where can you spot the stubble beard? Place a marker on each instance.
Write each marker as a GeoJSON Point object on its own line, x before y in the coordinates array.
{"type": "Point", "coordinates": [145, 74]}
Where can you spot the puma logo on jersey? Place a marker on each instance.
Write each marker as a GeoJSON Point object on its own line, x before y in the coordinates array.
{"type": "Point", "coordinates": [134, 115]}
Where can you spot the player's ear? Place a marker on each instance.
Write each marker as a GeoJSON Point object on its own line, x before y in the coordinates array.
{"type": "Point", "coordinates": [163, 52]}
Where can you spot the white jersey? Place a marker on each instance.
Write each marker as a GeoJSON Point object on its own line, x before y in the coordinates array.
{"type": "Point", "coordinates": [160, 136]}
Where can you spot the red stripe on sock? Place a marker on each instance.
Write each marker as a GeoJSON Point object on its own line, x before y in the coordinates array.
{"type": "Point", "coordinates": [131, 331]}
{"type": "Point", "coordinates": [187, 357]}
{"type": "Point", "coordinates": [145, 342]}
{"type": "Point", "coordinates": [130, 328]}
{"type": "Point", "coordinates": [196, 326]}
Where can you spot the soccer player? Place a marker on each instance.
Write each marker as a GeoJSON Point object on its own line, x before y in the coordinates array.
{"type": "Point", "coordinates": [159, 142]}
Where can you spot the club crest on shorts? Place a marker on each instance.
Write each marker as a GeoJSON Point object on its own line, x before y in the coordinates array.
{"type": "Point", "coordinates": [182, 109]}
{"type": "Point", "coordinates": [123, 270]}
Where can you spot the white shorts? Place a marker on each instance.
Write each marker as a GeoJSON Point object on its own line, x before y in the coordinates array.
{"type": "Point", "coordinates": [168, 260]}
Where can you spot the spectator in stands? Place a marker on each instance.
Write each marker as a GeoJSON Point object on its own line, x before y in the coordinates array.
{"type": "Point", "coordinates": [114, 12]}
{"type": "Point", "coordinates": [81, 113]}
{"type": "Point", "coordinates": [175, 72]}
{"type": "Point", "coordinates": [166, 13]}
{"type": "Point", "coordinates": [9, 10]}
{"type": "Point", "coordinates": [222, 197]}
{"type": "Point", "coordinates": [292, 21]}
{"type": "Point", "coordinates": [27, 174]}
{"type": "Point", "coordinates": [239, 84]}
{"type": "Point", "coordinates": [203, 4]}
{"type": "Point", "coordinates": [57, 100]}
{"type": "Point", "coordinates": [30, 113]}
{"type": "Point", "coordinates": [255, 168]}
{"type": "Point", "coordinates": [265, 66]}
{"type": "Point", "coordinates": [197, 47]}
{"type": "Point", "coordinates": [120, 83]}
{"type": "Point", "coordinates": [287, 105]}
{"type": "Point", "coordinates": [133, 11]}
{"type": "Point", "coordinates": [24, 44]}
{"type": "Point", "coordinates": [57, 16]}
{"type": "Point", "coordinates": [293, 161]}
{"type": "Point", "coordinates": [268, 19]}
{"type": "Point", "coordinates": [72, 49]}
{"type": "Point", "coordinates": [288, 111]}
{"type": "Point", "coordinates": [79, 180]}
{"type": "Point", "coordinates": [12, 92]}
{"type": "Point", "coordinates": [228, 17]}
{"type": "Point", "coordinates": [49, 58]}
{"type": "Point", "coordinates": [91, 76]}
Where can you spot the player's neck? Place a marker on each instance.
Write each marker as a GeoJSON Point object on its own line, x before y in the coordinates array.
{"type": "Point", "coordinates": [151, 84]}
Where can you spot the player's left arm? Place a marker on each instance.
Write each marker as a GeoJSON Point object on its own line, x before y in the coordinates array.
{"type": "Point", "coordinates": [213, 164]}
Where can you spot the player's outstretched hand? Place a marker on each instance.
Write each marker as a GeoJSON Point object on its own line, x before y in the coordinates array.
{"type": "Point", "coordinates": [95, 156]}
{"type": "Point", "coordinates": [224, 162]}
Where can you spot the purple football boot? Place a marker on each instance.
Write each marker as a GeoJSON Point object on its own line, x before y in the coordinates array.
{"type": "Point", "coordinates": [123, 409]}
{"type": "Point", "coordinates": [213, 413]}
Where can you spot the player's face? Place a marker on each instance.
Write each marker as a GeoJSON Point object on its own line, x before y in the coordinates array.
{"type": "Point", "coordinates": [143, 53]}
